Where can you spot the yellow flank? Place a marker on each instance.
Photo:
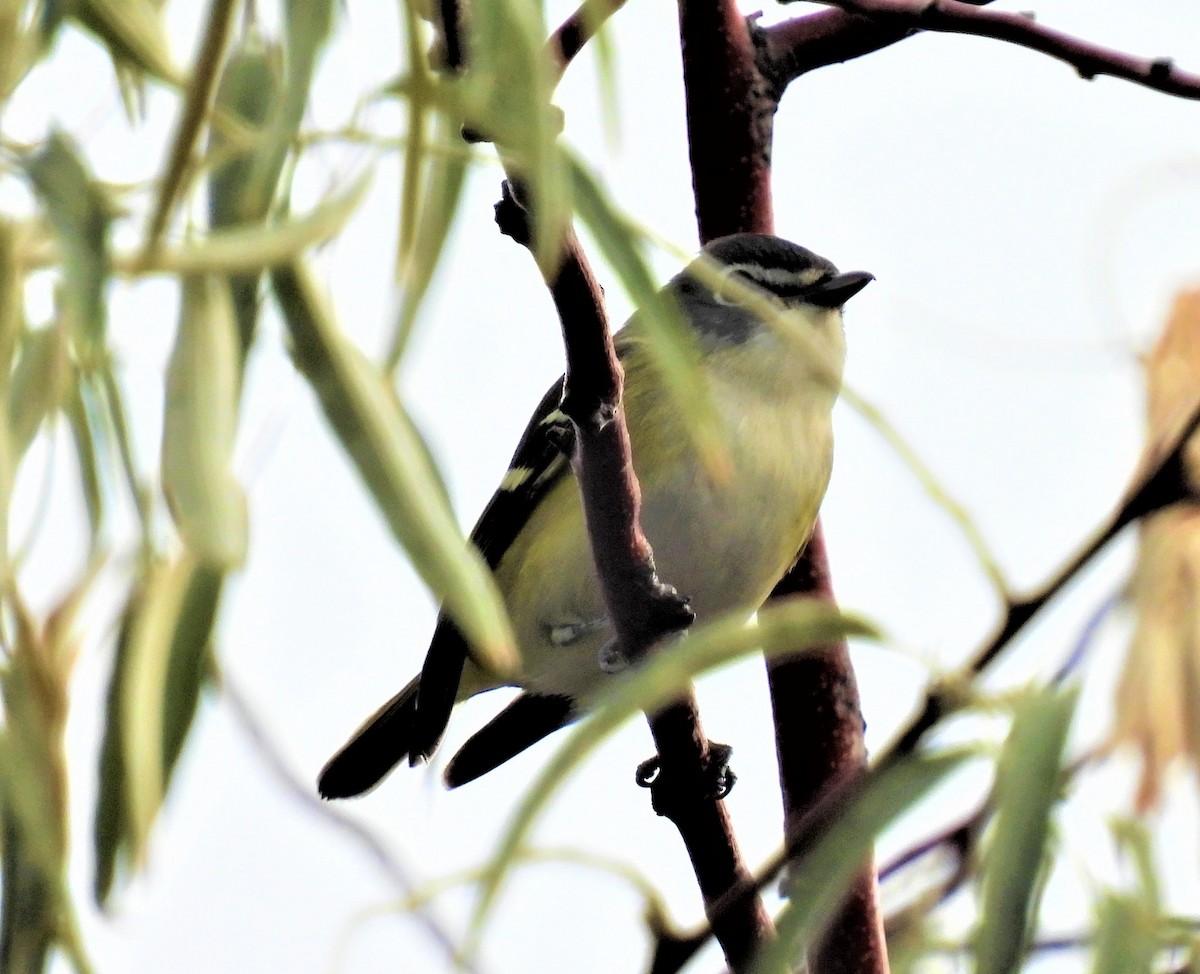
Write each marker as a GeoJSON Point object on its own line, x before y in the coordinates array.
{"type": "Point", "coordinates": [724, 546]}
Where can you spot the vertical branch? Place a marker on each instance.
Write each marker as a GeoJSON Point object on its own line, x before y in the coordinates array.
{"type": "Point", "coordinates": [732, 85]}
{"type": "Point", "coordinates": [819, 740]}
{"type": "Point", "coordinates": [730, 115]}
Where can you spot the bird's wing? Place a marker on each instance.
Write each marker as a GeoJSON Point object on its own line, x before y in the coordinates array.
{"type": "Point", "coordinates": [536, 466]}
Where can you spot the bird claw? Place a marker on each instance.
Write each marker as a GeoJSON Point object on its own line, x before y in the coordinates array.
{"type": "Point", "coordinates": [719, 777]}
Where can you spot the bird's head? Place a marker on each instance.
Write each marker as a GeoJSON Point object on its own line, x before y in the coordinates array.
{"type": "Point", "coordinates": [739, 286]}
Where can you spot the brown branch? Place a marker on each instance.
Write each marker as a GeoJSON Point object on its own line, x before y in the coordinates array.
{"type": "Point", "coordinates": [802, 44]}
{"type": "Point", "coordinates": [730, 114]}
{"type": "Point", "coordinates": [819, 739]}
{"type": "Point", "coordinates": [641, 607]}
{"type": "Point", "coordinates": [732, 86]}
{"type": "Point", "coordinates": [1090, 60]}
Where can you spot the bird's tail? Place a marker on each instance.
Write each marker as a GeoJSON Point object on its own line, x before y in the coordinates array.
{"type": "Point", "coordinates": [384, 740]}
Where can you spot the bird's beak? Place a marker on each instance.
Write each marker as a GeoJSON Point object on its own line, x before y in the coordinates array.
{"type": "Point", "coordinates": [837, 290]}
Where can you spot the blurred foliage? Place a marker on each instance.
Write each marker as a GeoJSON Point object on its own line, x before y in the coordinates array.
{"type": "Point", "coordinates": [217, 220]}
{"type": "Point", "coordinates": [1158, 701]}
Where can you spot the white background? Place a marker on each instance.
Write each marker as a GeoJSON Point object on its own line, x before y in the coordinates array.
{"type": "Point", "coordinates": [1027, 229]}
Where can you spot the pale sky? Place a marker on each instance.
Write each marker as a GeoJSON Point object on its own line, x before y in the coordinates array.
{"type": "Point", "coordinates": [1027, 230]}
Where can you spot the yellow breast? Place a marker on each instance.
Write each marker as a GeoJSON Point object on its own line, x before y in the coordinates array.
{"type": "Point", "coordinates": [721, 542]}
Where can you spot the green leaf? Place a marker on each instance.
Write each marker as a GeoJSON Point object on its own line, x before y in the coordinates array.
{"type": "Point", "coordinates": [200, 425]}
{"type": "Point", "coordinates": [80, 214]}
{"type": "Point", "coordinates": [1125, 936]}
{"type": "Point", "coordinates": [12, 296]}
{"type": "Point", "coordinates": [193, 113]}
{"type": "Point", "coordinates": [395, 465]}
{"type": "Point", "coordinates": [40, 384]}
{"type": "Point", "coordinates": [307, 25]}
{"type": "Point", "coordinates": [445, 177]}
{"type": "Point", "coordinates": [155, 615]}
{"type": "Point", "coordinates": [33, 772]}
{"type": "Point", "coordinates": [22, 45]}
{"type": "Point", "coordinates": [256, 247]}
{"type": "Point", "coordinates": [1027, 786]}
{"type": "Point", "coordinates": [672, 344]}
{"type": "Point", "coordinates": [189, 667]}
{"type": "Point", "coordinates": [818, 878]}
{"type": "Point", "coordinates": [249, 92]}
{"type": "Point", "coordinates": [187, 672]}
{"type": "Point", "coordinates": [134, 30]}
{"type": "Point", "coordinates": [1134, 839]}
{"type": "Point", "coordinates": [506, 96]}
{"type": "Point", "coordinates": [787, 626]}
{"type": "Point", "coordinates": [89, 465]}
{"type": "Point", "coordinates": [110, 821]}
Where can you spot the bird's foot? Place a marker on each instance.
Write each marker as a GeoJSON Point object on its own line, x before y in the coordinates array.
{"type": "Point", "coordinates": [666, 790]}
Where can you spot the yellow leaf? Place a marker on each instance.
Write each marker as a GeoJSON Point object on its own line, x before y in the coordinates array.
{"type": "Point", "coordinates": [1158, 698]}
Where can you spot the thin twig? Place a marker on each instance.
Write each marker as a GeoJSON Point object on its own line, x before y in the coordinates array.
{"type": "Point", "coordinates": [302, 793]}
{"type": "Point", "coordinates": [1088, 59]}
{"type": "Point", "coordinates": [794, 47]}
{"type": "Point", "coordinates": [197, 104]}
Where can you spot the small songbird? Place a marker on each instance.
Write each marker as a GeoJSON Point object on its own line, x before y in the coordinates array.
{"type": "Point", "coordinates": [722, 542]}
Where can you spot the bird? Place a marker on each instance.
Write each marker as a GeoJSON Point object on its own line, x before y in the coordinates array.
{"type": "Point", "coordinates": [722, 542]}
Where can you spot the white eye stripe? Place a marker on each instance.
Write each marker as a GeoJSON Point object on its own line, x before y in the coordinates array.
{"type": "Point", "coordinates": [776, 277]}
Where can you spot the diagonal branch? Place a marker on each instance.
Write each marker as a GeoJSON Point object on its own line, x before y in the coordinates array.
{"type": "Point", "coordinates": [1089, 59]}
{"type": "Point", "coordinates": [642, 608]}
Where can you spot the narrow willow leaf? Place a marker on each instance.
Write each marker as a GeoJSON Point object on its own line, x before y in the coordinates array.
{"type": "Point", "coordinates": [40, 383]}
{"type": "Point", "coordinates": [198, 96]}
{"type": "Point", "coordinates": [439, 206]}
{"type": "Point", "coordinates": [237, 250]}
{"type": "Point", "coordinates": [190, 665]}
{"type": "Point", "coordinates": [80, 215]}
{"type": "Point", "coordinates": [1027, 786]}
{"type": "Point", "coordinates": [21, 46]}
{"type": "Point", "coordinates": [188, 669]}
{"type": "Point", "coordinates": [1134, 839]}
{"type": "Point", "coordinates": [32, 761]}
{"type": "Point", "coordinates": [672, 344]}
{"type": "Point", "coordinates": [933, 487]}
{"type": "Point", "coordinates": [395, 465]}
{"type": "Point", "coordinates": [12, 307]}
{"type": "Point", "coordinates": [507, 97]}
{"type": "Point", "coordinates": [791, 625]}
{"type": "Point", "coordinates": [200, 424]}
{"type": "Point", "coordinates": [254, 248]}
{"type": "Point", "coordinates": [28, 922]}
{"type": "Point", "coordinates": [83, 438]}
{"type": "Point", "coordinates": [413, 157]}
{"type": "Point", "coordinates": [307, 25]}
{"type": "Point", "coordinates": [818, 879]}
{"type": "Point", "coordinates": [110, 820]}
{"type": "Point", "coordinates": [143, 690]}
{"type": "Point", "coordinates": [249, 91]}
{"type": "Point", "coordinates": [1125, 936]}
{"type": "Point", "coordinates": [133, 29]}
